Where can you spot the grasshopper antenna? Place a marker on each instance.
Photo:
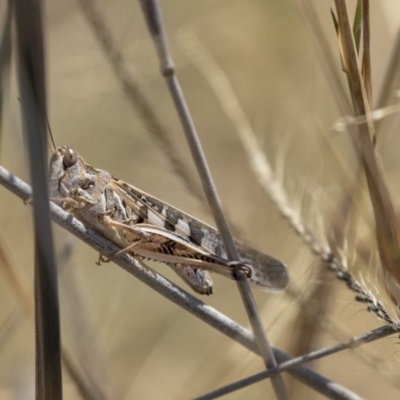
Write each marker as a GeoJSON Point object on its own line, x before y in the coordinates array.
{"type": "Point", "coordinates": [50, 138]}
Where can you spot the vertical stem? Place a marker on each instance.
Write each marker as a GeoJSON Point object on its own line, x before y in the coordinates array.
{"type": "Point", "coordinates": [31, 74]}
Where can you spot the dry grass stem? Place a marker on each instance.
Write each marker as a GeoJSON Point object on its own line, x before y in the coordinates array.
{"type": "Point", "coordinates": [386, 226]}
{"type": "Point", "coordinates": [354, 342]}
{"type": "Point", "coordinates": [172, 292]}
{"type": "Point", "coordinates": [153, 15]}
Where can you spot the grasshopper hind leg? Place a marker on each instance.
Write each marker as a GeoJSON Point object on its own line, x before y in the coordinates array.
{"type": "Point", "coordinates": [198, 279]}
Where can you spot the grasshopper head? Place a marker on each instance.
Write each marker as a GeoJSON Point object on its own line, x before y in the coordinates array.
{"type": "Point", "coordinates": [73, 182]}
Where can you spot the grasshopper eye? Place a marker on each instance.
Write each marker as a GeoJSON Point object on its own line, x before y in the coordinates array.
{"type": "Point", "coordinates": [70, 157]}
{"type": "Point", "coordinates": [87, 185]}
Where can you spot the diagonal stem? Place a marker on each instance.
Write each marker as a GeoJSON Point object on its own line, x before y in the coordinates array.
{"type": "Point", "coordinates": [172, 292]}
{"type": "Point", "coordinates": [354, 342]}
{"type": "Point", "coordinates": [153, 17]}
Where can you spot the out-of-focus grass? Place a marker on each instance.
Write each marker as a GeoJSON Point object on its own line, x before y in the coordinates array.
{"type": "Point", "coordinates": [264, 49]}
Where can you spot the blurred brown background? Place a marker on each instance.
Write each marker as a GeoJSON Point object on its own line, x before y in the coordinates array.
{"type": "Point", "coordinates": [136, 343]}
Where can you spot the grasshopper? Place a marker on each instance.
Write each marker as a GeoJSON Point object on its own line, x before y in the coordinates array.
{"type": "Point", "coordinates": [148, 228]}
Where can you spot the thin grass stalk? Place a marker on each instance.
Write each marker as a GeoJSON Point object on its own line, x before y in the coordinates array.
{"type": "Point", "coordinates": [31, 74]}
{"type": "Point", "coordinates": [328, 63]}
{"type": "Point", "coordinates": [361, 19]}
{"type": "Point", "coordinates": [366, 58]}
{"type": "Point", "coordinates": [388, 244]}
{"type": "Point", "coordinates": [5, 56]}
{"type": "Point", "coordinates": [152, 13]}
{"type": "Point", "coordinates": [354, 342]}
{"type": "Point", "coordinates": [169, 290]}
{"type": "Point", "coordinates": [387, 234]}
{"type": "Point", "coordinates": [327, 60]}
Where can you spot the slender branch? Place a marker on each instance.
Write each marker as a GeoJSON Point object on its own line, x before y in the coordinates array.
{"type": "Point", "coordinates": [169, 290]}
{"type": "Point", "coordinates": [152, 13]}
{"type": "Point", "coordinates": [354, 342]}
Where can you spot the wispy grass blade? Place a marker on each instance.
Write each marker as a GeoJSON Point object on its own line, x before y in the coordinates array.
{"type": "Point", "coordinates": [31, 74]}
